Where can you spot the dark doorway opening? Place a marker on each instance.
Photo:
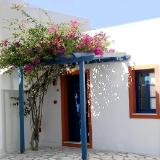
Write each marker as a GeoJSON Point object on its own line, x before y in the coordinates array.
{"type": "Point", "coordinates": [70, 97]}
{"type": "Point", "coordinates": [73, 90]}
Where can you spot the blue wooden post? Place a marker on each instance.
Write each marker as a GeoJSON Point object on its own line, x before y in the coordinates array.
{"type": "Point", "coordinates": [83, 110]}
{"type": "Point", "coordinates": [21, 110]}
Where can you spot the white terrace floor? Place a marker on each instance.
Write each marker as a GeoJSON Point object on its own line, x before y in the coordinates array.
{"type": "Point", "coordinates": [74, 154]}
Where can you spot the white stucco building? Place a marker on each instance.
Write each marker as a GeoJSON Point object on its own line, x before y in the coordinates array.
{"type": "Point", "coordinates": [9, 115]}
{"type": "Point", "coordinates": [114, 123]}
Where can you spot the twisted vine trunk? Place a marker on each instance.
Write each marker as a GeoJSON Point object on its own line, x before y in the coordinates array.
{"type": "Point", "coordinates": [35, 98]}
{"type": "Point", "coordinates": [36, 121]}
{"type": "Point", "coordinates": [35, 137]}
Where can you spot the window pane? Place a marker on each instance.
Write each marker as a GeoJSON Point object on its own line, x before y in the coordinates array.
{"type": "Point", "coordinates": [153, 103]}
{"type": "Point", "coordinates": [152, 75]}
{"type": "Point", "coordinates": [142, 105]}
{"type": "Point", "coordinates": [152, 91]}
{"type": "Point", "coordinates": [142, 91]}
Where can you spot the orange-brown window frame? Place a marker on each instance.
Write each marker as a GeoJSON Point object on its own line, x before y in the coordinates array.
{"type": "Point", "coordinates": [132, 93]}
{"type": "Point", "coordinates": [64, 109]}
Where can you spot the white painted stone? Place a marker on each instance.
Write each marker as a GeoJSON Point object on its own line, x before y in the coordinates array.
{"type": "Point", "coordinates": [74, 154]}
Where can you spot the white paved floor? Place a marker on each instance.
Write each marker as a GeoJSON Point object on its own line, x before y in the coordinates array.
{"type": "Point", "coordinates": [74, 154]}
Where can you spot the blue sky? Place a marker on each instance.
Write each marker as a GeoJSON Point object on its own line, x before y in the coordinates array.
{"type": "Point", "coordinates": [104, 13]}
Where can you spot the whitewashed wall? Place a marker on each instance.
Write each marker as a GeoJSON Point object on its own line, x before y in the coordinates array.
{"type": "Point", "coordinates": [6, 13]}
{"type": "Point", "coordinates": [9, 114]}
{"type": "Point", "coordinates": [112, 127]}
{"type": "Point", "coordinates": [51, 126]}
{"type": "Point", "coordinates": [140, 40]}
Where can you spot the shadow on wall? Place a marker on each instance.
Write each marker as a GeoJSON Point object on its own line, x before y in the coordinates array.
{"type": "Point", "coordinates": [11, 119]}
{"type": "Point", "coordinates": [11, 123]}
{"type": "Point", "coordinates": [109, 83]}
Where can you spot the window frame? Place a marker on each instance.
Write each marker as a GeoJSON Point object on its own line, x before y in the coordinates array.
{"type": "Point", "coordinates": [132, 91]}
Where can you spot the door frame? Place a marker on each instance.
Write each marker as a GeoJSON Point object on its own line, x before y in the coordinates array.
{"type": "Point", "coordinates": [64, 109]}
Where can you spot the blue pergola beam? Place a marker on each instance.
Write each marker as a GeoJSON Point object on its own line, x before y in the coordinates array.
{"type": "Point", "coordinates": [21, 110]}
{"type": "Point", "coordinates": [72, 59]}
{"type": "Point", "coordinates": [109, 59]}
{"type": "Point", "coordinates": [69, 59]}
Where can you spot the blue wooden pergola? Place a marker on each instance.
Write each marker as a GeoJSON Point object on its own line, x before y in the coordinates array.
{"type": "Point", "coordinates": [80, 59]}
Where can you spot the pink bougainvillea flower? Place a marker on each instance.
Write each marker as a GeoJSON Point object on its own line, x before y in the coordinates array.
{"type": "Point", "coordinates": [79, 46]}
{"type": "Point", "coordinates": [74, 23]}
{"type": "Point", "coordinates": [57, 41]}
{"type": "Point", "coordinates": [71, 34]}
{"type": "Point", "coordinates": [85, 43]}
{"type": "Point", "coordinates": [98, 51]}
{"type": "Point", "coordinates": [52, 28]}
{"type": "Point", "coordinates": [5, 43]}
{"type": "Point", "coordinates": [111, 50]}
{"type": "Point", "coordinates": [36, 61]}
{"type": "Point", "coordinates": [27, 68]}
{"type": "Point", "coordinates": [86, 39]}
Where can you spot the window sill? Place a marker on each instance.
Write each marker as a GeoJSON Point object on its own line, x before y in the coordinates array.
{"type": "Point", "coordinates": [145, 115]}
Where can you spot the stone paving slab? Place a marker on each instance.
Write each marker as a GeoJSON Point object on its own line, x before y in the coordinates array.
{"type": "Point", "coordinates": [74, 154]}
